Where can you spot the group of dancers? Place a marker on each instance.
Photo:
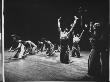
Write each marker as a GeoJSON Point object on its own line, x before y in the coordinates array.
{"type": "Point", "coordinates": [65, 39]}
{"type": "Point", "coordinates": [95, 66]}
{"type": "Point", "coordinates": [98, 57]}
{"type": "Point", "coordinates": [25, 48]}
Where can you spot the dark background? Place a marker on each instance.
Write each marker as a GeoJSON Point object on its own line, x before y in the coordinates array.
{"type": "Point", "coordinates": [0, 23]}
{"type": "Point", "coordinates": [0, 15]}
{"type": "Point", "coordinates": [34, 19]}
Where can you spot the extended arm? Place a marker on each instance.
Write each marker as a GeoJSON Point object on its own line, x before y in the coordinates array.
{"type": "Point", "coordinates": [31, 43]}
{"type": "Point", "coordinates": [73, 33]}
{"type": "Point", "coordinates": [34, 44]}
{"type": "Point", "coordinates": [59, 24]}
{"type": "Point", "coordinates": [19, 45]}
{"type": "Point", "coordinates": [73, 24]}
{"type": "Point", "coordinates": [12, 50]}
{"type": "Point", "coordinates": [81, 34]}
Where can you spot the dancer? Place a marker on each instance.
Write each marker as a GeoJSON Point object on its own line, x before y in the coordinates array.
{"type": "Point", "coordinates": [40, 46]}
{"type": "Point", "coordinates": [14, 42]}
{"type": "Point", "coordinates": [31, 47]}
{"type": "Point", "coordinates": [20, 50]}
{"type": "Point", "coordinates": [94, 64]}
{"type": "Point", "coordinates": [64, 37]}
{"type": "Point", "coordinates": [49, 47]}
{"type": "Point", "coordinates": [76, 48]}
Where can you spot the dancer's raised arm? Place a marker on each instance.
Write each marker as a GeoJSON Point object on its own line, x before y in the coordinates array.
{"type": "Point", "coordinates": [73, 33]}
{"type": "Point", "coordinates": [81, 34]}
{"type": "Point", "coordinates": [31, 43]}
{"type": "Point", "coordinates": [59, 24]}
{"type": "Point", "coordinates": [73, 24]}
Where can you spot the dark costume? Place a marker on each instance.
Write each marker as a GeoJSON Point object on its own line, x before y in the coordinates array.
{"type": "Point", "coordinates": [94, 65]}
{"type": "Point", "coordinates": [40, 46]}
{"type": "Point", "coordinates": [64, 54]}
{"type": "Point", "coordinates": [64, 42]}
{"type": "Point", "coordinates": [97, 62]}
{"type": "Point", "coordinates": [76, 49]}
{"type": "Point", "coordinates": [50, 48]}
{"type": "Point", "coordinates": [30, 47]}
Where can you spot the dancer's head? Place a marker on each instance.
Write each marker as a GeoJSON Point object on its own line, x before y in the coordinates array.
{"type": "Point", "coordinates": [96, 26]}
{"type": "Point", "coordinates": [15, 37]}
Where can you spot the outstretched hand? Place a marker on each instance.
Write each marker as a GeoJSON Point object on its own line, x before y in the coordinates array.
{"type": "Point", "coordinates": [75, 17]}
{"type": "Point", "coordinates": [72, 25]}
{"type": "Point", "coordinates": [59, 18]}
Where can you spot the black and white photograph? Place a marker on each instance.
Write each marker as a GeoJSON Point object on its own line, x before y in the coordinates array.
{"type": "Point", "coordinates": [56, 40]}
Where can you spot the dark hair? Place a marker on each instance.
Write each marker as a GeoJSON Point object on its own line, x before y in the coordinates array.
{"type": "Point", "coordinates": [15, 36]}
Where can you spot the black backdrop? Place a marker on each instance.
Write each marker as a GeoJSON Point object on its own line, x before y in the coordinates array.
{"type": "Point", "coordinates": [34, 19]}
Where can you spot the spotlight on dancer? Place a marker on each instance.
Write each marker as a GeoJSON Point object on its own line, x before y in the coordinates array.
{"type": "Point", "coordinates": [76, 48]}
{"type": "Point", "coordinates": [94, 64]}
{"type": "Point", "coordinates": [40, 46]}
{"type": "Point", "coordinates": [50, 47]}
{"type": "Point", "coordinates": [14, 42]}
{"type": "Point", "coordinates": [31, 47]}
{"type": "Point", "coordinates": [20, 50]}
{"type": "Point", "coordinates": [64, 38]}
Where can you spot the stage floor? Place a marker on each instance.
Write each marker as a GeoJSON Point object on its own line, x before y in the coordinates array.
{"type": "Point", "coordinates": [39, 67]}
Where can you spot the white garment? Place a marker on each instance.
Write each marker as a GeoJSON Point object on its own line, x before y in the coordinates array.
{"type": "Point", "coordinates": [63, 35]}
{"type": "Point", "coordinates": [51, 45]}
{"type": "Point", "coordinates": [22, 50]}
{"type": "Point", "coordinates": [31, 43]}
{"type": "Point", "coordinates": [76, 39]}
{"type": "Point", "coordinates": [48, 42]}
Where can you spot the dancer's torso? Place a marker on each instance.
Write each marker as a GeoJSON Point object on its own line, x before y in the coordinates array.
{"type": "Point", "coordinates": [76, 39]}
{"type": "Point", "coordinates": [64, 35]}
